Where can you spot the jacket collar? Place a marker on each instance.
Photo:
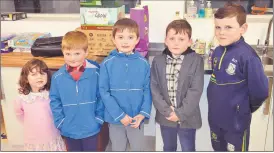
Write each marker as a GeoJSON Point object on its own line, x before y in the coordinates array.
{"type": "Point", "coordinates": [86, 73]}
{"type": "Point", "coordinates": [167, 52]}
{"type": "Point", "coordinates": [123, 55]}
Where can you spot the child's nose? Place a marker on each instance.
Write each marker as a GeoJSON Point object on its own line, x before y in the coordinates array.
{"type": "Point", "coordinates": [39, 75]}
{"type": "Point", "coordinates": [222, 31]}
{"type": "Point", "coordinates": [73, 58]}
{"type": "Point", "coordinates": [177, 42]}
{"type": "Point", "coordinates": [125, 41]}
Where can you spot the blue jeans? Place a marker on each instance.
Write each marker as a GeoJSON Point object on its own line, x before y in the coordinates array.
{"type": "Point", "coordinates": [186, 137]}
{"type": "Point", "coordinates": [85, 144]}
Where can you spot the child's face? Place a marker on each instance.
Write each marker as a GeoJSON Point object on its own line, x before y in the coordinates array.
{"type": "Point", "coordinates": [37, 80]}
{"type": "Point", "coordinates": [75, 57]}
{"type": "Point", "coordinates": [228, 30]}
{"type": "Point", "coordinates": [125, 41]}
{"type": "Point", "coordinates": [177, 43]}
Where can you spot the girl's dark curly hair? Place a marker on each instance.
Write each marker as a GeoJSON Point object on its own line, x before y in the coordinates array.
{"type": "Point", "coordinates": [41, 66]}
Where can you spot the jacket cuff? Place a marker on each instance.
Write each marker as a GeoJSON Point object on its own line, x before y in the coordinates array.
{"type": "Point", "coordinates": [167, 112]}
{"type": "Point", "coordinates": [178, 114]}
{"type": "Point", "coordinates": [60, 124]}
{"type": "Point", "coordinates": [145, 114]}
{"type": "Point", "coordinates": [99, 120]}
{"type": "Point", "coordinates": [121, 116]}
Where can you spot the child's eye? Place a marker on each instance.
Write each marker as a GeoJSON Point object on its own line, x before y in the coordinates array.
{"type": "Point", "coordinates": [67, 54]}
{"type": "Point", "coordinates": [217, 27]}
{"type": "Point", "coordinates": [171, 38]}
{"type": "Point", "coordinates": [120, 37]}
{"type": "Point", "coordinates": [33, 74]}
{"type": "Point", "coordinates": [228, 27]}
{"type": "Point", "coordinates": [77, 54]}
{"type": "Point", "coordinates": [182, 39]}
{"type": "Point", "coordinates": [130, 37]}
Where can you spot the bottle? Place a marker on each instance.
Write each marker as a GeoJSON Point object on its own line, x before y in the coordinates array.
{"type": "Point", "coordinates": [177, 15]}
{"type": "Point", "coordinates": [201, 12]}
{"type": "Point", "coordinates": [191, 9]}
{"type": "Point", "coordinates": [208, 10]}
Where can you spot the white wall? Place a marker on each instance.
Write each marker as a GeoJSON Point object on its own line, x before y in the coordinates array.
{"type": "Point", "coordinates": [161, 13]}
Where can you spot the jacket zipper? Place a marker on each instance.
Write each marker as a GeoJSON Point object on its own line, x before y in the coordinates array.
{"type": "Point", "coordinates": [128, 89]}
{"type": "Point", "coordinates": [76, 88]}
{"type": "Point", "coordinates": [238, 108]}
{"type": "Point", "coordinates": [221, 60]}
{"type": "Point", "coordinates": [126, 67]}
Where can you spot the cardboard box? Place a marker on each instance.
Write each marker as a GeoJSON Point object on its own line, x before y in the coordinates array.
{"type": "Point", "coordinates": [91, 16]}
{"type": "Point", "coordinates": [99, 40]}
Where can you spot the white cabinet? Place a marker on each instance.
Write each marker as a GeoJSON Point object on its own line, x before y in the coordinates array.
{"type": "Point", "coordinates": [261, 129]}
{"type": "Point", "coordinates": [10, 77]}
{"type": "Point", "coordinates": [269, 134]}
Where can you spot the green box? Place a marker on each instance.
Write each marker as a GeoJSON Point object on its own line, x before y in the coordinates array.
{"type": "Point", "coordinates": [97, 16]}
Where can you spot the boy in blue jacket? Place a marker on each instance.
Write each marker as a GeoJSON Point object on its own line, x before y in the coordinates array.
{"type": "Point", "coordinates": [124, 86]}
{"type": "Point", "coordinates": [238, 85]}
{"type": "Point", "coordinates": [75, 100]}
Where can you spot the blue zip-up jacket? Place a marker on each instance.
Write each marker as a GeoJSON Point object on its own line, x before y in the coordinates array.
{"type": "Point", "coordinates": [237, 86]}
{"type": "Point", "coordinates": [125, 86]}
{"type": "Point", "coordinates": [76, 105]}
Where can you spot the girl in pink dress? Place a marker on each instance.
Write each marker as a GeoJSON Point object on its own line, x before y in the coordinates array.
{"type": "Point", "coordinates": [32, 109]}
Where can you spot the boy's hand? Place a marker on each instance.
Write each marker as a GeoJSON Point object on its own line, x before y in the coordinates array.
{"type": "Point", "coordinates": [126, 120]}
{"type": "Point", "coordinates": [138, 119]}
{"type": "Point", "coordinates": [173, 117]}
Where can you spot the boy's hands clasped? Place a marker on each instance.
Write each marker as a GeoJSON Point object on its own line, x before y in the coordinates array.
{"type": "Point", "coordinates": [172, 117]}
{"type": "Point", "coordinates": [137, 120]}
{"type": "Point", "coordinates": [134, 122]}
{"type": "Point", "coordinates": [126, 120]}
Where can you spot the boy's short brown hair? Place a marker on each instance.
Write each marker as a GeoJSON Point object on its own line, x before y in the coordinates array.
{"type": "Point", "coordinates": [75, 40]}
{"type": "Point", "coordinates": [125, 23]}
{"type": "Point", "coordinates": [230, 10]}
{"type": "Point", "coordinates": [180, 26]}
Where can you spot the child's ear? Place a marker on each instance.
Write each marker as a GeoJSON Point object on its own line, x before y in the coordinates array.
{"type": "Point", "coordinates": [137, 41]}
{"type": "Point", "coordinates": [86, 54]}
{"type": "Point", "coordinates": [190, 42]}
{"type": "Point", "coordinates": [165, 41]}
{"type": "Point", "coordinates": [113, 40]}
{"type": "Point", "coordinates": [244, 28]}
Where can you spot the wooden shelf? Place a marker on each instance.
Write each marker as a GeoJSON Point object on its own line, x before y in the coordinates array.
{"type": "Point", "coordinates": [16, 59]}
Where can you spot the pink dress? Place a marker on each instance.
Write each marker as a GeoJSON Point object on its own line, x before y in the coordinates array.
{"type": "Point", "coordinates": [33, 111]}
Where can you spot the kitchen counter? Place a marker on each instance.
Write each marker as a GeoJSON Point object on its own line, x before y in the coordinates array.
{"type": "Point", "coordinates": [157, 48]}
{"type": "Point", "coordinates": [268, 70]}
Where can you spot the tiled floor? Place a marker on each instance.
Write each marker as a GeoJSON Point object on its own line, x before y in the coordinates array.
{"type": "Point", "coordinates": [149, 144]}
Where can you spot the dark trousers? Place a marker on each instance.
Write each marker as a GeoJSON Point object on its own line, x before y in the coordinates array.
{"type": "Point", "coordinates": [223, 140]}
{"type": "Point", "coordinates": [85, 144]}
{"type": "Point", "coordinates": [186, 137]}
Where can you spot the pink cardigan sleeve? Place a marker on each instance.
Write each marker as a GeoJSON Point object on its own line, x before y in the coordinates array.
{"type": "Point", "coordinates": [19, 110]}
